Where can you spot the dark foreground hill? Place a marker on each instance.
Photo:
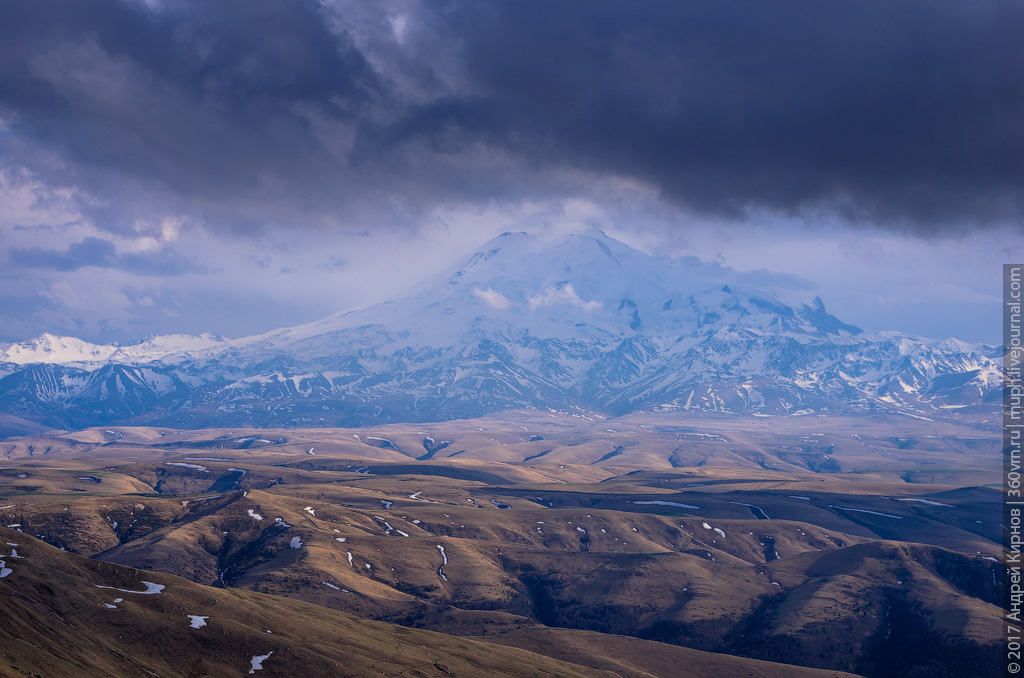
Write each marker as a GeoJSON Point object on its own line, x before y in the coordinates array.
{"type": "Point", "coordinates": [65, 615]}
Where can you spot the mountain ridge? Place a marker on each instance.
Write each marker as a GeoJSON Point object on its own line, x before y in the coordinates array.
{"type": "Point", "coordinates": [585, 323]}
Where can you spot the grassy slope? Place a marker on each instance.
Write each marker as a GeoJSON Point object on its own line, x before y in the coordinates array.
{"type": "Point", "coordinates": [55, 623]}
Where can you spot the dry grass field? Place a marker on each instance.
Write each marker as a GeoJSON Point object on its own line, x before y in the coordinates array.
{"type": "Point", "coordinates": [630, 546]}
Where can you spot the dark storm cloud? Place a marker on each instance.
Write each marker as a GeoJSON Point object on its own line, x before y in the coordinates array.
{"type": "Point", "coordinates": [904, 113]}
{"type": "Point", "coordinates": [905, 110]}
{"type": "Point", "coordinates": [99, 253]}
{"type": "Point", "coordinates": [88, 252]}
{"type": "Point", "coordinates": [206, 102]}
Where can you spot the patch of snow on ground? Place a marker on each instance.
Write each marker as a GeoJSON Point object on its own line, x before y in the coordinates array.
{"type": "Point", "coordinates": [705, 526]}
{"type": "Point", "coordinates": [667, 503]}
{"type": "Point", "coordinates": [720, 532]}
{"type": "Point", "coordinates": [350, 559]}
{"type": "Point", "coordinates": [341, 539]}
{"type": "Point", "coordinates": [4, 570]}
{"type": "Point", "coordinates": [793, 496]}
{"type": "Point", "coordinates": [415, 496]}
{"type": "Point", "coordinates": [257, 662]}
{"type": "Point", "coordinates": [197, 621]}
{"type": "Point", "coordinates": [295, 543]}
{"type": "Point", "coordinates": [151, 588]}
{"type": "Point", "coordinates": [874, 513]}
{"type": "Point", "coordinates": [753, 509]}
{"type": "Point", "coordinates": [310, 510]}
{"type": "Point", "coordinates": [182, 464]}
{"type": "Point", "coordinates": [330, 585]}
{"type": "Point", "coordinates": [254, 515]}
{"type": "Point", "coordinates": [444, 561]}
{"type": "Point", "coordinates": [925, 501]}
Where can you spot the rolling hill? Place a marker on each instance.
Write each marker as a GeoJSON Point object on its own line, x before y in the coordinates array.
{"type": "Point", "coordinates": [488, 537]}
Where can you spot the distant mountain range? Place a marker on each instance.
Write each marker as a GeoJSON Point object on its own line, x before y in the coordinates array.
{"type": "Point", "coordinates": [583, 324]}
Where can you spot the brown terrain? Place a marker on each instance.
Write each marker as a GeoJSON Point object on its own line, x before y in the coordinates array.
{"type": "Point", "coordinates": [649, 545]}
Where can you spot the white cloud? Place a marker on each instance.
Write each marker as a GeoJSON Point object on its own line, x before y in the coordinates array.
{"type": "Point", "coordinates": [493, 298]}
{"type": "Point", "coordinates": [399, 26]}
{"type": "Point", "coordinates": [564, 295]}
{"type": "Point", "coordinates": [90, 297]}
{"type": "Point", "coordinates": [152, 235]}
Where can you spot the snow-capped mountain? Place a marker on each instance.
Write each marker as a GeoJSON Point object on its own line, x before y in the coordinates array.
{"type": "Point", "coordinates": [583, 324]}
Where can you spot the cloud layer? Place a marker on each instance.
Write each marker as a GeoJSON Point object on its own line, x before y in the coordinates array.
{"type": "Point", "coordinates": [565, 294]}
{"type": "Point", "coordinates": [493, 298]}
{"type": "Point", "coordinates": [311, 113]}
{"type": "Point", "coordinates": [235, 165]}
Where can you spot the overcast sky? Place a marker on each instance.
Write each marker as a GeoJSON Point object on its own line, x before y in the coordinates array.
{"type": "Point", "coordinates": [243, 165]}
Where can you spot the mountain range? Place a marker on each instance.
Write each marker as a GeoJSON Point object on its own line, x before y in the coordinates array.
{"type": "Point", "coordinates": [584, 324]}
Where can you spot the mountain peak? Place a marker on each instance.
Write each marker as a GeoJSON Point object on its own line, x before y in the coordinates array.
{"type": "Point", "coordinates": [578, 322]}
